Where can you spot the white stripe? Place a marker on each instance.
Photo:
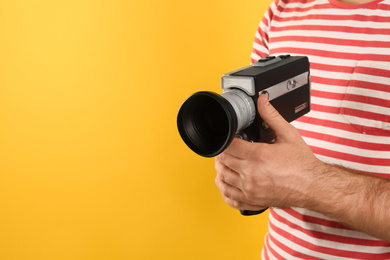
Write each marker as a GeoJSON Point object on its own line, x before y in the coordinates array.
{"type": "Point", "coordinates": [295, 246]}
{"type": "Point", "coordinates": [354, 165]}
{"type": "Point", "coordinates": [331, 75]}
{"type": "Point", "coordinates": [278, 250]}
{"type": "Point", "coordinates": [342, 133]}
{"type": "Point", "coordinates": [339, 132]}
{"type": "Point", "coordinates": [260, 48]}
{"type": "Point", "coordinates": [326, 102]}
{"type": "Point", "coordinates": [332, 35]}
{"type": "Point", "coordinates": [374, 78]}
{"type": "Point", "coordinates": [371, 93]}
{"type": "Point", "coordinates": [330, 47]}
{"type": "Point", "coordinates": [328, 11]}
{"type": "Point", "coordinates": [348, 149]}
{"type": "Point", "coordinates": [328, 22]}
{"type": "Point", "coordinates": [328, 88]}
{"type": "Point", "coordinates": [333, 61]}
{"type": "Point", "coordinates": [367, 107]}
{"type": "Point", "coordinates": [297, 4]}
{"type": "Point", "coordinates": [363, 122]}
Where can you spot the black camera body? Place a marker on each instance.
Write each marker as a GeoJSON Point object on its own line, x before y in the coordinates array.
{"type": "Point", "coordinates": [208, 122]}
{"type": "Point", "coordinates": [286, 82]}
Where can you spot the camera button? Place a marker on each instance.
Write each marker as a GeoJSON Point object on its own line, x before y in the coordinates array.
{"type": "Point", "coordinates": [291, 84]}
{"type": "Point", "coordinates": [265, 92]}
{"type": "Point", "coordinates": [265, 59]}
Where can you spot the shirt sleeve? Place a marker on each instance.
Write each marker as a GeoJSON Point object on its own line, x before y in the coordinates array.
{"type": "Point", "coordinates": [260, 44]}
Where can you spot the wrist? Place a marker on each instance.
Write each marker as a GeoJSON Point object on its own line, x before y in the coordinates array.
{"type": "Point", "coordinates": [335, 191]}
{"type": "Point", "coordinates": [316, 186]}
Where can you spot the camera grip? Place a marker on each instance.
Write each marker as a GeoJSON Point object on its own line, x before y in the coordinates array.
{"type": "Point", "coordinates": [251, 213]}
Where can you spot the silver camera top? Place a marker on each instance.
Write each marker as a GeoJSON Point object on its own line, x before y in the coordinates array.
{"type": "Point", "coordinates": [247, 83]}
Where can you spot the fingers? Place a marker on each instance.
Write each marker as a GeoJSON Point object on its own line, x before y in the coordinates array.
{"type": "Point", "coordinates": [234, 197]}
{"type": "Point", "coordinates": [238, 148]}
{"type": "Point", "coordinates": [227, 174]}
{"type": "Point", "coordinates": [242, 150]}
{"type": "Point", "coordinates": [274, 120]}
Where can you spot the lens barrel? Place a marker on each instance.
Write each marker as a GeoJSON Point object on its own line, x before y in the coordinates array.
{"type": "Point", "coordinates": [208, 122]}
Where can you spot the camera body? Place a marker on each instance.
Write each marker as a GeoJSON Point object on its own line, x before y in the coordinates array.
{"type": "Point", "coordinates": [208, 122]}
{"type": "Point", "coordinates": [284, 79]}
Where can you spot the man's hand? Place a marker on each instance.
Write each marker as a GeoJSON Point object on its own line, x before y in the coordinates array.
{"type": "Point", "coordinates": [252, 176]}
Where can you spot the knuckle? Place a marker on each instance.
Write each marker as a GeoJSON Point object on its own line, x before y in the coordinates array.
{"type": "Point", "coordinates": [248, 187]}
{"type": "Point", "coordinates": [217, 180]}
{"type": "Point", "coordinates": [250, 182]}
{"type": "Point", "coordinates": [235, 204]}
{"type": "Point", "coordinates": [221, 157]}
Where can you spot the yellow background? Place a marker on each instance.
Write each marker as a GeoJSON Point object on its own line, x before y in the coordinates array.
{"type": "Point", "coordinates": [91, 163]}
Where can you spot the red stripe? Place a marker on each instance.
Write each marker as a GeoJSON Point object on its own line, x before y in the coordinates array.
{"type": "Point", "coordinates": [329, 81]}
{"type": "Point", "coordinates": [272, 250]}
{"type": "Point", "coordinates": [383, 6]}
{"type": "Point", "coordinates": [330, 17]}
{"type": "Point", "coordinates": [265, 21]}
{"type": "Point", "coordinates": [351, 157]}
{"type": "Point", "coordinates": [333, 67]}
{"type": "Point", "coordinates": [315, 220]}
{"type": "Point", "coordinates": [345, 141]}
{"type": "Point", "coordinates": [259, 41]}
{"type": "Point", "coordinates": [326, 236]}
{"type": "Point", "coordinates": [327, 109]}
{"type": "Point", "coordinates": [266, 247]}
{"type": "Point", "coordinates": [365, 114]}
{"type": "Point", "coordinates": [373, 71]}
{"type": "Point", "coordinates": [379, 6]}
{"type": "Point", "coordinates": [335, 41]}
{"type": "Point", "coordinates": [291, 251]}
{"type": "Point", "coordinates": [303, 9]}
{"type": "Point", "coordinates": [328, 95]}
{"type": "Point", "coordinates": [354, 112]}
{"type": "Point", "coordinates": [372, 85]}
{"type": "Point", "coordinates": [369, 100]}
{"type": "Point", "coordinates": [332, 28]}
{"type": "Point", "coordinates": [328, 123]}
{"type": "Point", "coordinates": [344, 83]}
{"type": "Point", "coordinates": [322, 249]}
{"type": "Point", "coordinates": [298, 1]}
{"type": "Point", "coordinates": [333, 54]}
{"type": "Point", "coordinates": [351, 97]}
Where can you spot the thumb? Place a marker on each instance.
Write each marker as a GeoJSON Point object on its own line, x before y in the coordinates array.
{"type": "Point", "coordinates": [274, 120]}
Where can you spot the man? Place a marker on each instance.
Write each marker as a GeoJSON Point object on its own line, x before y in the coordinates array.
{"type": "Point", "coordinates": [327, 178]}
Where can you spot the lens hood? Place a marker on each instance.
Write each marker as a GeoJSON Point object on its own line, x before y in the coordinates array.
{"type": "Point", "coordinates": [207, 123]}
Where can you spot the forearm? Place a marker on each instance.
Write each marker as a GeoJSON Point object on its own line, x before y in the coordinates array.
{"type": "Point", "coordinates": [353, 198]}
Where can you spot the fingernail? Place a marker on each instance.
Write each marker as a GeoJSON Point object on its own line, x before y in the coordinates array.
{"type": "Point", "coordinates": [264, 99]}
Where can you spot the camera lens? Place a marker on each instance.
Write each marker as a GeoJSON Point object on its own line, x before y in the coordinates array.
{"type": "Point", "coordinates": [207, 123]}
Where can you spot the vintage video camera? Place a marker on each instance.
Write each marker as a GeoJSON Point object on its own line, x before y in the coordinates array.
{"type": "Point", "coordinates": [208, 122]}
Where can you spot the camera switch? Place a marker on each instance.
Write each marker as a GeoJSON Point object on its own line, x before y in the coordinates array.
{"type": "Point", "coordinates": [266, 61]}
{"type": "Point", "coordinates": [291, 84]}
{"type": "Point", "coordinates": [265, 92]}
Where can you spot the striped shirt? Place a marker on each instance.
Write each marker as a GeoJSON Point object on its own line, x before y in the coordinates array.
{"type": "Point", "coordinates": [349, 124]}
